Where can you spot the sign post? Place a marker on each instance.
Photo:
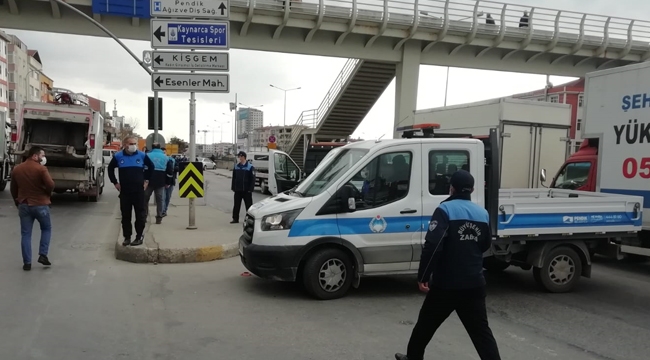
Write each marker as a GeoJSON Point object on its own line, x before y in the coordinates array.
{"type": "Point", "coordinates": [189, 25]}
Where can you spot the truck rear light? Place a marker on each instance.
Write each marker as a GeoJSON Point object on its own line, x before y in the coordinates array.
{"type": "Point", "coordinates": [91, 140]}
{"type": "Point", "coordinates": [14, 135]}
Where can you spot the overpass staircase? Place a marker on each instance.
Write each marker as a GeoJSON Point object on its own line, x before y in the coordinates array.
{"type": "Point", "coordinates": [353, 94]}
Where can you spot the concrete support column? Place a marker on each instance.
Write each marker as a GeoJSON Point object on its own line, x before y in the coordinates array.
{"type": "Point", "coordinates": [406, 85]}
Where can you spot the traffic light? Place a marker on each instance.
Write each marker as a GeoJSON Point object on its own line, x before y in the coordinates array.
{"type": "Point", "coordinates": [160, 112]}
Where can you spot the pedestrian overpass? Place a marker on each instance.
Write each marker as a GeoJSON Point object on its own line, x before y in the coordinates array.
{"type": "Point", "coordinates": [384, 39]}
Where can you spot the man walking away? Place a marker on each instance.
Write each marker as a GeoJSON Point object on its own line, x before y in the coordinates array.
{"type": "Point", "coordinates": [243, 183]}
{"type": "Point", "coordinates": [133, 182]}
{"type": "Point", "coordinates": [31, 188]}
{"type": "Point", "coordinates": [452, 266]}
{"type": "Point", "coordinates": [172, 183]}
{"type": "Point", "coordinates": [159, 180]}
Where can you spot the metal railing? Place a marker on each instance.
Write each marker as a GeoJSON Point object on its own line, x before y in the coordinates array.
{"type": "Point", "coordinates": [468, 17]}
{"type": "Point", "coordinates": [313, 118]}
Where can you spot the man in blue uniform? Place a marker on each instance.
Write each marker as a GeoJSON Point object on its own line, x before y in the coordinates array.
{"type": "Point", "coordinates": [172, 183]}
{"type": "Point", "coordinates": [159, 180]}
{"type": "Point", "coordinates": [451, 271]}
{"type": "Point", "coordinates": [243, 183]}
{"type": "Point", "coordinates": [132, 184]}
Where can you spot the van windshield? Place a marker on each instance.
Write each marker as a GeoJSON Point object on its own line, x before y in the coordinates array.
{"type": "Point", "coordinates": [573, 175]}
{"type": "Point", "coordinates": [327, 174]}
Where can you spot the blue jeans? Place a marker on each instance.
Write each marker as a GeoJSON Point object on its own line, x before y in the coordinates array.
{"type": "Point", "coordinates": [168, 198]}
{"type": "Point", "coordinates": [27, 216]}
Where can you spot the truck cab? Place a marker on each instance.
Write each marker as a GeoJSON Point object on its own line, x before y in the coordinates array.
{"type": "Point", "coordinates": [275, 171]}
{"type": "Point", "coordinates": [580, 170]}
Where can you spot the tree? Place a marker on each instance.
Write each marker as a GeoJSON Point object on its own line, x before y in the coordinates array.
{"type": "Point", "coordinates": [182, 144]}
{"type": "Point", "coordinates": [128, 129]}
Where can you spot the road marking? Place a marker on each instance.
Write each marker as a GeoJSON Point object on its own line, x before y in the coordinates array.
{"type": "Point", "coordinates": [91, 277]}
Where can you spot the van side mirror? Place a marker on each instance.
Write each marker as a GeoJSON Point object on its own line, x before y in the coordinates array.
{"type": "Point", "coordinates": [542, 176]}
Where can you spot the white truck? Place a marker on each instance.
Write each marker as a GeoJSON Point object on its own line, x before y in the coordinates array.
{"type": "Point", "coordinates": [614, 157]}
{"type": "Point", "coordinates": [365, 210]}
{"type": "Point", "coordinates": [71, 134]}
{"type": "Point", "coordinates": [533, 135]}
{"type": "Point", "coordinates": [275, 171]}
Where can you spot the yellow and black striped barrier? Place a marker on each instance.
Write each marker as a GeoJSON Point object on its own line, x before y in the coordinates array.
{"type": "Point", "coordinates": [190, 180]}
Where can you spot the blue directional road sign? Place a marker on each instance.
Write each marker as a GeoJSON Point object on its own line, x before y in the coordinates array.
{"type": "Point", "coordinates": [190, 34]}
{"type": "Point", "coordinates": [206, 9]}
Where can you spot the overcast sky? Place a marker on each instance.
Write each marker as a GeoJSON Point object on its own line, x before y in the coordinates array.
{"type": "Point", "coordinates": [101, 68]}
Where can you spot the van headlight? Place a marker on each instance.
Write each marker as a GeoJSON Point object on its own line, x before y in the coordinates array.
{"type": "Point", "coordinates": [280, 221]}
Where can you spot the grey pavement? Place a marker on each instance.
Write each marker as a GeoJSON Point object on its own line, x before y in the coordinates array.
{"type": "Point", "coordinates": [219, 195]}
{"type": "Point", "coordinates": [90, 306]}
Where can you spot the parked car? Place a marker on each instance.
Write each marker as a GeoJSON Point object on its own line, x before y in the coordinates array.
{"type": "Point", "coordinates": [208, 164]}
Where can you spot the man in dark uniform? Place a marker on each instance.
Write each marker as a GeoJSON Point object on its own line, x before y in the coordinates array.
{"type": "Point", "coordinates": [243, 183]}
{"type": "Point", "coordinates": [132, 184]}
{"type": "Point", "coordinates": [451, 271]}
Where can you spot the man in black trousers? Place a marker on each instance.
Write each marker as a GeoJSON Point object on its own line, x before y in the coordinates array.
{"type": "Point", "coordinates": [451, 271]}
{"type": "Point", "coordinates": [243, 183]}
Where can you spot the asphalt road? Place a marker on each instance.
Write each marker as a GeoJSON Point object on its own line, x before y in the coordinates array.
{"type": "Point", "coordinates": [90, 306]}
{"type": "Point", "coordinates": [219, 195]}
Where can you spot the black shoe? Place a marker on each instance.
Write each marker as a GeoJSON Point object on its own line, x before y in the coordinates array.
{"type": "Point", "coordinates": [159, 220]}
{"type": "Point", "coordinates": [399, 356]}
{"type": "Point", "coordinates": [234, 222]}
{"type": "Point", "coordinates": [44, 260]}
{"type": "Point", "coordinates": [138, 241]}
{"type": "Point", "coordinates": [27, 267]}
{"type": "Point", "coordinates": [127, 241]}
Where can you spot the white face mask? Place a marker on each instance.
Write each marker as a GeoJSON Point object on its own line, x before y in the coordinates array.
{"type": "Point", "coordinates": [132, 148]}
{"type": "Point", "coordinates": [43, 160]}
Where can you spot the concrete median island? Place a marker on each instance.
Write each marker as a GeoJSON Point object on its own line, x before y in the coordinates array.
{"type": "Point", "coordinates": [170, 242]}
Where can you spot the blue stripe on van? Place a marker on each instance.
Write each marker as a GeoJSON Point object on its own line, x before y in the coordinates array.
{"type": "Point", "coordinates": [557, 220]}
{"type": "Point", "coordinates": [359, 226]}
{"type": "Point", "coordinates": [397, 224]}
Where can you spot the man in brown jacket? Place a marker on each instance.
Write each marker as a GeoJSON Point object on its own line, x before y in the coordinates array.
{"type": "Point", "coordinates": [31, 187]}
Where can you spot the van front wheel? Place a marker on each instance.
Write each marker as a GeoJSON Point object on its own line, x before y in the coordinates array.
{"type": "Point", "coordinates": [328, 274]}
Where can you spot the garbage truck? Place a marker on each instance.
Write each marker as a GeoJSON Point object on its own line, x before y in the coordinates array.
{"type": "Point", "coordinates": [72, 136]}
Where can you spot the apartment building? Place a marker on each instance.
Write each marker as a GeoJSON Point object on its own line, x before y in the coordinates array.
{"type": "Point", "coordinates": [248, 119]}
{"type": "Point", "coordinates": [34, 76]}
{"type": "Point", "coordinates": [4, 79]}
{"type": "Point", "coordinates": [46, 85]}
{"type": "Point", "coordinates": [282, 134]}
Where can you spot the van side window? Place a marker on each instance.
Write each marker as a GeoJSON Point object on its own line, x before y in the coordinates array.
{"type": "Point", "coordinates": [442, 164]}
{"type": "Point", "coordinates": [385, 179]}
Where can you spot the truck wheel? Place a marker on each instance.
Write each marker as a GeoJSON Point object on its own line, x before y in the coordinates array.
{"type": "Point", "coordinates": [3, 185]}
{"type": "Point", "coordinates": [494, 265]}
{"type": "Point", "coordinates": [561, 270]}
{"type": "Point", "coordinates": [328, 274]}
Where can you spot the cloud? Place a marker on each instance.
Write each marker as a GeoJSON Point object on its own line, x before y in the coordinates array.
{"type": "Point", "coordinates": [101, 68]}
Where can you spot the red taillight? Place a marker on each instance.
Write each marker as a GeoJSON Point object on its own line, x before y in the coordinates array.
{"type": "Point", "coordinates": [91, 140]}
{"type": "Point", "coordinates": [14, 136]}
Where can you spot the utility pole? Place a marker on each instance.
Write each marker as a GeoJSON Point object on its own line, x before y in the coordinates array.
{"type": "Point", "coordinates": [284, 122]}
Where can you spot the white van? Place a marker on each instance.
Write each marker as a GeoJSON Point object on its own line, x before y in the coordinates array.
{"type": "Point", "coordinates": [365, 210]}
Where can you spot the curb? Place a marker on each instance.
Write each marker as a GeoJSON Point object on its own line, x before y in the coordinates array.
{"type": "Point", "coordinates": [150, 252]}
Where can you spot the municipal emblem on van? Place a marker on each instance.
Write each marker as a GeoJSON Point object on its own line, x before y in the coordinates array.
{"type": "Point", "coordinates": [378, 224]}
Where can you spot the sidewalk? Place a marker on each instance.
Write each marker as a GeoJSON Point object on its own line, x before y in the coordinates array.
{"type": "Point", "coordinates": [171, 242]}
{"type": "Point", "coordinates": [222, 172]}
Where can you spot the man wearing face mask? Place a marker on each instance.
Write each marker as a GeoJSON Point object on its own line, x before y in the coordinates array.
{"type": "Point", "coordinates": [133, 181]}
{"type": "Point", "coordinates": [31, 188]}
{"type": "Point", "coordinates": [451, 271]}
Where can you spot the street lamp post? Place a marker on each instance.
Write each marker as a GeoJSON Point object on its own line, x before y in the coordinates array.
{"type": "Point", "coordinates": [284, 122]}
